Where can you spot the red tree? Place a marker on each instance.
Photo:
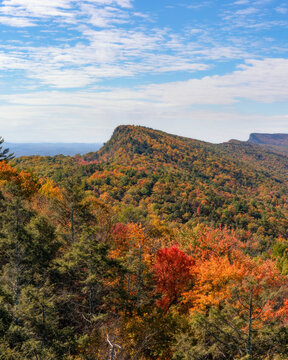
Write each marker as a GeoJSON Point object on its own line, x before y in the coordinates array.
{"type": "Point", "coordinates": [173, 275]}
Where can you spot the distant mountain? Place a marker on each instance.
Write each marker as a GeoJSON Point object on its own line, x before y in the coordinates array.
{"type": "Point", "coordinates": [274, 142]}
{"type": "Point", "coordinates": [269, 139]}
{"type": "Point", "coordinates": [51, 149]}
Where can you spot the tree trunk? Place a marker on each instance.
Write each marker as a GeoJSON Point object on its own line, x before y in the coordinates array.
{"type": "Point", "coordinates": [72, 223]}
{"type": "Point", "coordinates": [249, 344]}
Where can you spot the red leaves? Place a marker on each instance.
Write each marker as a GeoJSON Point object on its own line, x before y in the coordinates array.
{"type": "Point", "coordinates": [173, 274]}
{"type": "Point", "coordinates": [221, 275]}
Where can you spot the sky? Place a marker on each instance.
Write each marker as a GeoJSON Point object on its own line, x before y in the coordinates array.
{"type": "Point", "coordinates": [73, 70]}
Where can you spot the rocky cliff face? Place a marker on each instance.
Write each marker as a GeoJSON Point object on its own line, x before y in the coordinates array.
{"type": "Point", "coordinates": [269, 139]}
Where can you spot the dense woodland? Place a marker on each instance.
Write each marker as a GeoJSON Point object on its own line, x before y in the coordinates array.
{"type": "Point", "coordinates": [155, 247]}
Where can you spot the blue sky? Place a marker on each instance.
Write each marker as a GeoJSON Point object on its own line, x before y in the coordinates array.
{"type": "Point", "coordinates": [72, 70]}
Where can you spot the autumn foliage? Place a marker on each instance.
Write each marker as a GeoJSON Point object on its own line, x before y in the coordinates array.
{"type": "Point", "coordinates": [176, 249]}
{"type": "Point", "coordinates": [173, 274]}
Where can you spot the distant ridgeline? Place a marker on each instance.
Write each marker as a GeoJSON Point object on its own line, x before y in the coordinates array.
{"type": "Point", "coordinates": [269, 139]}
{"type": "Point", "coordinates": [51, 149]}
{"type": "Point", "coordinates": [274, 142]}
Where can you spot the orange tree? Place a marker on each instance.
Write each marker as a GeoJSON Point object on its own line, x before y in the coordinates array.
{"type": "Point", "coordinates": [238, 304]}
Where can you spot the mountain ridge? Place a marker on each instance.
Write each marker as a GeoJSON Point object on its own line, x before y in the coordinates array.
{"type": "Point", "coordinates": [131, 144]}
{"type": "Point", "coordinates": [277, 139]}
{"type": "Point", "coordinates": [143, 173]}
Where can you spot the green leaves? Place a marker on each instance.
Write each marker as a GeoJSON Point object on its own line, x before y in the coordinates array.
{"type": "Point", "coordinates": [4, 153]}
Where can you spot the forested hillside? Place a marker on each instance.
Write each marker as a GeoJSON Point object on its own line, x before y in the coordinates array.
{"type": "Point", "coordinates": [155, 247]}
{"type": "Point", "coordinates": [143, 173]}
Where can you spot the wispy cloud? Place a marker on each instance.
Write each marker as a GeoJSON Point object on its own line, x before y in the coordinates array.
{"type": "Point", "coordinates": [260, 81]}
{"type": "Point", "coordinates": [283, 9]}
{"type": "Point", "coordinates": [114, 53]}
{"type": "Point", "coordinates": [112, 61]}
{"type": "Point", "coordinates": [36, 9]}
{"type": "Point", "coordinates": [30, 12]}
{"type": "Point", "coordinates": [19, 21]}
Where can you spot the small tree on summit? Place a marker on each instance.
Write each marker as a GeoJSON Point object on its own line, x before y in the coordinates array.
{"type": "Point", "coordinates": [4, 153]}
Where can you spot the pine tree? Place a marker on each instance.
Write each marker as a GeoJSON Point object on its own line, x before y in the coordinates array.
{"type": "Point", "coordinates": [4, 153]}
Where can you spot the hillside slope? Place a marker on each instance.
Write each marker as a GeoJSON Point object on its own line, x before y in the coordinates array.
{"type": "Point", "coordinates": [143, 173]}
{"type": "Point", "coordinates": [137, 239]}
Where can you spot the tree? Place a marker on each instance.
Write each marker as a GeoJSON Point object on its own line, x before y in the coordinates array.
{"type": "Point", "coordinates": [4, 153]}
{"type": "Point", "coordinates": [92, 279]}
{"type": "Point", "coordinates": [72, 212]}
{"type": "Point", "coordinates": [173, 274]}
{"type": "Point", "coordinates": [235, 304]}
{"type": "Point", "coordinates": [30, 326]}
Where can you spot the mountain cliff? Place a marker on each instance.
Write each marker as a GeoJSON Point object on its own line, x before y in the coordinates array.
{"type": "Point", "coordinates": [269, 139]}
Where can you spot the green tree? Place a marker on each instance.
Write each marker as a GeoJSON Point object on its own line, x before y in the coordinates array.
{"type": "Point", "coordinates": [4, 153]}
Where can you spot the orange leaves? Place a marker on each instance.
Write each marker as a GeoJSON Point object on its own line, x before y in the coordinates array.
{"type": "Point", "coordinates": [128, 238]}
{"type": "Point", "coordinates": [27, 183]}
{"type": "Point", "coordinates": [24, 182]}
{"type": "Point", "coordinates": [204, 242]}
{"type": "Point", "coordinates": [7, 172]}
{"type": "Point", "coordinates": [218, 278]}
{"type": "Point", "coordinates": [282, 312]}
{"type": "Point", "coordinates": [222, 281]}
{"type": "Point", "coordinates": [218, 273]}
{"type": "Point", "coordinates": [213, 281]}
{"type": "Point", "coordinates": [104, 174]}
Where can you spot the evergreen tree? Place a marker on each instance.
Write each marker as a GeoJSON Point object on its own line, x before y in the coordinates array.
{"type": "Point", "coordinates": [4, 153]}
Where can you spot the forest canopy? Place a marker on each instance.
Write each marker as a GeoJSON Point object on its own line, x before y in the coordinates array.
{"type": "Point", "coordinates": [155, 247]}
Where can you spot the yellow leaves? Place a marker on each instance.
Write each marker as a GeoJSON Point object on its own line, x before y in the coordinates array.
{"type": "Point", "coordinates": [50, 189]}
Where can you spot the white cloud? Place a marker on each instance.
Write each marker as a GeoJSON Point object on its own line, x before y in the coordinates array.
{"type": "Point", "coordinates": [96, 40]}
{"type": "Point", "coordinates": [281, 10]}
{"type": "Point", "coordinates": [170, 106]}
{"type": "Point", "coordinates": [104, 17]}
{"type": "Point", "coordinates": [95, 123]}
{"type": "Point", "coordinates": [262, 81]}
{"type": "Point", "coordinates": [122, 3]}
{"type": "Point", "coordinates": [12, 61]}
{"type": "Point", "coordinates": [20, 22]}
{"type": "Point", "coordinates": [110, 53]}
{"type": "Point", "coordinates": [36, 8]}
{"type": "Point", "coordinates": [242, 2]}
{"type": "Point", "coordinates": [247, 11]}
{"type": "Point", "coordinates": [100, 12]}
{"type": "Point", "coordinates": [105, 49]}
{"type": "Point", "coordinates": [198, 6]}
